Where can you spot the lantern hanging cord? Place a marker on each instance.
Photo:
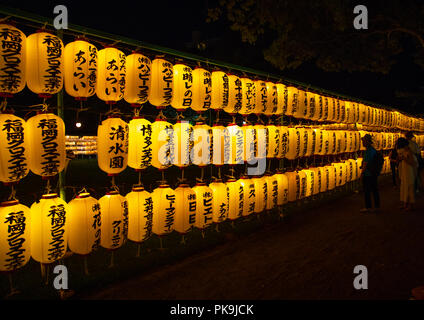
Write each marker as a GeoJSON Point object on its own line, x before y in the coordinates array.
{"type": "Point", "coordinates": [12, 195]}
{"type": "Point", "coordinates": [3, 105]}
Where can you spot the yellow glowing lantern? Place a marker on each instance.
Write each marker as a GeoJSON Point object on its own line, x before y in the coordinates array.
{"type": "Point", "coordinates": [140, 214]}
{"type": "Point", "coordinates": [261, 102]}
{"type": "Point", "coordinates": [49, 229]}
{"type": "Point", "coordinates": [273, 145]}
{"type": "Point", "coordinates": [302, 184]}
{"type": "Point", "coordinates": [182, 92]}
{"type": "Point", "coordinates": [325, 108]}
{"type": "Point", "coordinates": [317, 181]}
{"type": "Point", "coordinates": [111, 72]}
{"type": "Point", "coordinates": [342, 111]}
{"type": "Point", "coordinates": [311, 106]}
{"type": "Point", "coordinates": [261, 193]}
{"type": "Point", "coordinates": [220, 90]}
{"type": "Point", "coordinates": [201, 138]}
{"type": "Point", "coordinates": [248, 101]}
{"type": "Point", "coordinates": [249, 199]}
{"type": "Point", "coordinates": [84, 221]}
{"type": "Point", "coordinates": [272, 189]}
{"type": "Point", "coordinates": [272, 103]}
{"type": "Point", "coordinates": [220, 203]}
{"type": "Point", "coordinates": [310, 182]}
{"type": "Point", "coordinates": [325, 143]}
{"type": "Point", "coordinates": [282, 99]}
{"type": "Point", "coordinates": [332, 142]}
{"type": "Point", "coordinates": [303, 142]}
{"type": "Point", "coordinates": [14, 235]}
{"type": "Point", "coordinates": [236, 145]}
{"type": "Point", "coordinates": [319, 142]}
{"type": "Point", "coordinates": [137, 79]}
{"type": "Point", "coordinates": [331, 177]}
{"type": "Point", "coordinates": [338, 113]}
{"type": "Point", "coordinates": [283, 188]}
{"type": "Point", "coordinates": [202, 90]}
{"type": "Point", "coordinates": [235, 198]}
{"type": "Point", "coordinates": [80, 63]}
{"type": "Point", "coordinates": [219, 144]}
{"type": "Point", "coordinates": [183, 145]}
{"type": "Point", "coordinates": [203, 206]}
{"type": "Point", "coordinates": [114, 220]}
{"type": "Point", "coordinates": [139, 143]}
{"type": "Point", "coordinates": [331, 109]}
{"type": "Point", "coordinates": [162, 144]}
{"type": "Point", "coordinates": [235, 95]}
{"type": "Point", "coordinates": [310, 142]}
{"type": "Point", "coordinates": [185, 208]}
{"type": "Point", "coordinates": [14, 154]}
{"type": "Point", "coordinates": [164, 208]}
{"type": "Point", "coordinates": [262, 141]}
{"type": "Point", "coordinates": [284, 133]}
{"type": "Point", "coordinates": [161, 85]}
{"type": "Point", "coordinates": [292, 100]}
{"type": "Point", "coordinates": [294, 144]}
{"type": "Point", "coordinates": [320, 108]}
{"type": "Point", "coordinates": [46, 142]}
{"type": "Point", "coordinates": [44, 63]}
{"type": "Point", "coordinates": [249, 134]}
{"type": "Point", "coordinates": [112, 145]}
{"type": "Point", "coordinates": [12, 60]}
{"type": "Point", "coordinates": [324, 172]}
{"type": "Point", "coordinates": [302, 105]}
{"type": "Point", "coordinates": [350, 112]}
{"type": "Point", "coordinates": [294, 186]}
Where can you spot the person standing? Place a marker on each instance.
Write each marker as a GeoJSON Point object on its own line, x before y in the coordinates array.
{"type": "Point", "coordinates": [408, 165]}
{"type": "Point", "coordinates": [394, 165]}
{"type": "Point", "coordinates": [415, 149]}
{"type": "Point", "coordinates": [369, 175]}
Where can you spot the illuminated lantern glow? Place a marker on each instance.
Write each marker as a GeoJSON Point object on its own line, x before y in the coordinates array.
{"type": "Point", "coordinates": [183, 143]}
{"type": "Point", "coordinates": [273, 145]}
{"type": "Point", "coordinates": [14, 235]}
{"type": "Point", "coordinates": [282, 99]}
{"type": "Point", "coordinates": [250, 147]}
{"type": "Point", "coordinates": [261, 102]}
{"type": "Point", "coordinates": [303, 184]}
{"type": "Point", "coordinates": [324, 173]}
{"type": "Point", "coordinates": [331, 177]}
{"type": "Point", "coordinates": [14, 153]}
{"type": "Point", "coordinates": [185, 208]}
{"type": "Point", "coordinates": [249, 195]}
{"type": "Point", "coordinates": [292, 100]}
{"type": "Point", "coordinates": [311, 108]}
{"type": "Point", "coordinates": [182, 93]}
{"type": "Point", "coordinates": [262, 141]}
{"type": "Point", "coordinates": [49, 229]}
{"type": "Point", "coordinates": [331, 109]}
{"type": "Point", "coordinates": [84, 222]}
{"type": "Point", "coordinates": [272, 189]}
{"type": "Point", "coordinates": [236, 145]}
{"type": "Point", "coordinates": [294, 144]}
{"type": "Point", "coordinates": [294, 186]}
{"type": "Point", "coordinates": [139, 143]}
{"type": "Point", "coordinates": [235, 95]}
{"type": "Point", "coordinates": [12, 60]}
{"type": "Point", "coordinates": [80, 63]}
{"type": "Point", "coordinates": [201, 137]}
{"type": "Point", "coordinates": [325, 108]}
{"type": "Point", "coordinates": [161, 87]}
{"type": "Point", "coordinates": [46, 141]}
{"type": "Point", "coordinates": [310, 182]}
{"type": "Point", "coordinates": [338, 113]}
{"type": "Point", "coordinates": [272, 102]}
{"type": "Point", "coordinates": [310, 142]}
{"type": "Point", "coordinates": [111, 72]}
{"type": "Point", "coordinates": [220, 90]}
{"type": "Point", "coordinates": [219, 145]}
{"type": "Point", "coordinates": [137, 79]}
{"type": "Point", "coordinates": [164, 208]}
{"type": "Point", "coordinates": [261, 194]}
{"type": "Point", "coordinates": [317, 181]}
{"type": "Point", "coordinates": [140, 214]}
{"type": "Point", "coordinates": [342, 111]}
{"type": "Point", "coordinates": [302, 105]}
{"type": "Point", "coordinates": [284, 133]}
{"type": "Point", "coordinates": [163, 153]}
{"type": "Point", "coordinates": [319, 105]}
{"type": "Point", "coordinates": [303, 141]}
{"type": "Point", "coordinates": [283, 188]}
{"type": "Point", "coordinates": [332, 142]}
{"type": "Point", "coordinates": [220, 203]}
{"type": "Point", "coordinates": [44, 63]}
{"type": "Point", "coordinates": [112, 145]}
{"type": "Point", "coordinates": [202, 90]}
{"type": "Point", "coordinates": [325, 143]}
{"type": "Point", "coordinates": [203, 206]}
{"type": "Point", "coordinates": [248, 101]}
{"type": "Point", "coordinates": [114, 220]}
{"type": "Point", "coordinates": [235, 198]}
{"type": "Point", "coordinates": [319, 142]}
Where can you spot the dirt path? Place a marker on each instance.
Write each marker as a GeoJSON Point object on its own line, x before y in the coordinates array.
{"type": "Point", "coordinates": [311, 256]}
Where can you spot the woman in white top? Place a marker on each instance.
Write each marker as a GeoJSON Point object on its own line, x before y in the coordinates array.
{"type": "Point", "coordinates": [408, 165]}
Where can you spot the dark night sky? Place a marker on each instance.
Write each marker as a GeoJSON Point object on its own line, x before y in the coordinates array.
{"type": "Point", "coordinates": [173, 23]}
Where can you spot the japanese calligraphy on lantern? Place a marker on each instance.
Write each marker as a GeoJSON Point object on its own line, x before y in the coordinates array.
{"type": "Point", "coordinates": [137, 78]}
{"type": "Point", "coordinates": [139, 143]}
{"type": "Point", "coordinates": [182, 96]}
{"type": "Point", "coordinates": [161, 83]}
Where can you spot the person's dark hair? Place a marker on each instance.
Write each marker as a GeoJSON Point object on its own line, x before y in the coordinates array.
{"type": "Point", "coordinates": [402, 143]}
{"type": "Point", "coordinates": [409, 135]}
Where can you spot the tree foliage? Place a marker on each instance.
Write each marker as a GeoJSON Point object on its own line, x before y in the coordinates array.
{"type": "Point", "coordinates": [322, 32]}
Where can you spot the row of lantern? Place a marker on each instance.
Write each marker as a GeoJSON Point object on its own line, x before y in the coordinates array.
{"type": "Point", "coordinates": [46, 229]}
{"type": "Point", "coordinates": [44, 64]}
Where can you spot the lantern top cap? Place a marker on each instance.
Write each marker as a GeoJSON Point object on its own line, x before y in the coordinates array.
{"type": "Point", "coordinates": [137, 188]}
{"type": "Point", "coordinates": [113, 192]}
{"type": "Point", "coordinates": [9, 203]}
{"type": "Point", "coordinates": [49, 196]}
{"type": "Point", "coordinates": [83, 195]}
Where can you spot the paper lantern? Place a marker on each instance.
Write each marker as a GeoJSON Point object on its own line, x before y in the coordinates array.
{"type": "Point", "coordinates": [302, 105]}
{"type": "Point", "coordinates": [137, 79]}
{"type": "Point", "coordinates": [250, 147]}
{"type": "Point", "coordinates": [324, 173]}
{"type": "Point", "coordinates": [161, 85]}
{"type": "Point", "coordinates": [303, 142]}
{"type": "Point", "coordinates": [293, 186]}
{"type": "Point", "coordinates": [303, 184]}
{"type": "Point", "coordinates": [338, 114]}
{"type": "Point", "coordinates": [272, 103]}
{"type": "Point", "coordinates": [235, 198]}
{"type": "Point", "coordinates": [248, 101]}
{"type": "Point", "coordinates": [332, 142]}
{"type": "Point", "coordinates": [112, 146]}
{"type": "Point", "coordinates": [325, 143]}
{"type": "Point", "coordinates": [273, 146]}
{"type": "Point", "coordinates": [262, 141]}
{"type": "Point", "coordinates": [283, 188]}
{"type": "Point", "coordinates": [319, 142]}
{"type": "Point", "coordinates": [183, 143]}
{"type": "Point", "coordinates": [272, 189]}
{"type": "Point", "coordinates": [162, 144]}
{"type": "Point", "coordinates": [139, 143]}
{"type": "Point", "coordinates": [262, 97]}
{"type": "Point", "coordinates": [185, 208]}
{"type": "Point", "coordinates": [182, 92]}
{"type": "Point", "coordinates": [111, 72]}
{"type": "Point", "coordinates": [84, 222]}
{"type": "Point", "coordinates": [350, 111]}
{"type": "Point", "coordinates": [13, 148]}
{"type": "Point", "coordinates": [282, 99]}
{"type": "Point", "coordinates": [325, 108]}
{"type": "Point", "coordinates": [311, 106]}
{"type": "Point", "coordinates": [44, 63]}
{"type": "Point", "coordinates": [331, 109]}
{"type": "Point", "coordinates": [80, 63]}
{"type": "Point", "coordinates": [202, 90]}
{"type": "Point", "coordinates": [219, 145]}
{"type": "Point", "coordinates": [235, 95]}
{"type": "Point", "coordinates": [14, 235]}
{"type": "Point", "coordinates": [294, 144]}
{"type": "Point", "coordinates": [49, 229]}
{"type": "Point", "coordinates": [249, 193]}
{"type": "Point", "coordinates": [292, 100]}
{"type": "Point", "coordinates": [220, 203]}
{"type": "Point", "coordinates": [140, 214]}
{"type": "Point", "coordinates": [310, 182]}
{"type": "Point", "coordinates": [220, 90]}
{"type": "Point", "coordinates": [203, 206]}
{"type": "Point", "coordinates": [310, 142]}
{"type": "Point", "coordinates": [236, 144]}
{"type": "Point", "coordinates": [46, 142]}
{"type": "Point", "coordinates": [164, 208]}
{"type": "Point", "coordinates": [12, 60]}
{"type": "Point", "coordinates": [319, 108]}
{"type": "Point", "coordinates": [342, 111]}
{"type": "Point", "coordinates": [261, 193]}
{"type": "Point", "coordinates": [284, 134]}
{"type": "Point", "coordinates": [317, 180]}
{"type": "Point", "coordinates": [331, 177]}
{"type": "Point", "coordinates": [114, 220]}
{"type": "Point", "coordinates": [201, 137]}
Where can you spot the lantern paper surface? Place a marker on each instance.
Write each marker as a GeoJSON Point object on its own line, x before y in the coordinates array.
{"type": "Point", "coordinates": [202, 90]}
{"type": "Point", "coordinates": [249, 196]}
{"type": "Point", "coordinates": [294, 186]}
{"type": "Point", "coordinates": [292, 100]}
{"type": "Point", "coordinates": [111, 72]}
{"type": "Point", "coordinates": [162, 144]}
{"type": "Point", "coordinates": [249, 96]}
{"type": "Point", "coordinates": [283, 188]}
{"type": "Point", "coordinates": [201, 139]}
{"type": "Point", "coordinates": [220, 90]}
{"type": "Point", "coordinates": [235, 148]}
{"type": "Point", "coordinates": [261, 194]}
{"type": "Point", "coordinates": [139, 143]}
{"type": "Point", "coordinates": [160, 94]}
{"type": "Point", "coordinates": [261, 96]}
{"type": "Point", "coordinates": [272, 103]}
{"type": "Point", "coordinates": [140, 214]}
{"type": "Point", "coordinates": [273, 141]}
{"type": "Point", "coordinates": [185, 212]}
{"type": "Point", "coordinates": [272, 197]}
{"type": "Point", "coordinates": [220, 145]}
{"type": "Point", "coordinates": [164, 207]}
{"type": "Point", "coordinates": [203, 206]}
{"type": "Point", "coordinates": [137, 78]}
{"type": "Point", "coordinates": [235, 199]}
{"type": "Point", "coordinates": [183, 143]}
{"type": "Point", "coordinates": [182, 92]}
{"type": "Point", "coordinates": [235, 95]}
{"type": "Point", "coordinates": [219, 201]}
